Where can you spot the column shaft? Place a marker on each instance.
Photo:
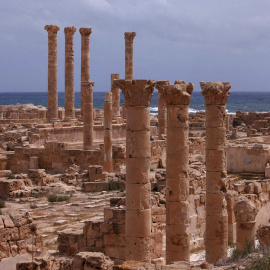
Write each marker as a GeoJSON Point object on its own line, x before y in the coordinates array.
{"type": "Point", "coordinates": [85, 59]}
{"type": "Point", "coordinates": [115, 97]}
{"type": "Point", "coordinates": [129, 36]}
{"type": "Point", "coordinates": [52, 72]}
{"type": "Point", "coordinates": [216, 234]}
{"type": "Point", "coordinates": [161, 117]}
{"type": "Point", "coordinates": [69, 74]}
{"type": "Point", "coordinates": [108, 162]}
{"type": "Point", "coordinates": [138, 94]}
{"type": "Point", "coordinates": [88, 120]}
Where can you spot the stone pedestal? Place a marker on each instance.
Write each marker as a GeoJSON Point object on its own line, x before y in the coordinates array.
{"type": "Point", "coordinates": [216, 232]}
{"type": "Point", "coordinates": [161, 110]}
{"type": "Point", "coordinates": [115, 98]}
{"type": "Point", "coordinates": [108, 162]}
{"type": "Point", "coordinates": [69, 74]}
{"type": "Point", "coordinates": [245, 213]}
{"type": "Point", "coordinates": [33, 163]}
{"type": "Point", "coordinates": [129, 36]}
{"type": "Point", "coordinates": [177, 99]}
{"type": "Point", "coordinates": [88, 120]}
{"type": "Point", "coordinates": [138, 94]}
{"type": "Point", "coordinates": [52, 72]}
{"type": "Point", "coordinates": [85, 59]}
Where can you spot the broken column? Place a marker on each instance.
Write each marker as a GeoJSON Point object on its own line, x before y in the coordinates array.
{"type": "Point", "coordinates": [245, 214]}
{"type": "Point", "coordinates": [108, 165]}
{"type": "Point", "coordinates": [88, 120]}
{"type": "Point", "coordinates": [177, 99]}
{"type": "Point", "coordinates": [115, 97]}
{"type": "Point", "coordinates": [129, 36]}
{"type": "Point", "coordinates": [161, 110]}
{"type": "Point", "coordinates": [85, 59]}
{"type": "Point", "coordinates": [216, 232]}
{"type": "Point", "coordinates": [52, 72]}
{"type": "Point", "coordinates": [69, 74]}
{"type": "Point", "coordinates": [138, 94]}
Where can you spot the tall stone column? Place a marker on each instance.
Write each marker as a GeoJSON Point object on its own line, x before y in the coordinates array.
{"type": "Point", "coordinates": [88, 120]}
{"type": "Point", "coordinates": [69, 74]}
{"type": "Point", "coordinates": [177, 99]}
{"type": "Point", "coordinates": [108, 165]}
{"type": "Point", "coordinates": [161, 110]}
{"type": "Point", "coordinates": [129, 36]}
{"type": "Point", "coordinates": [115, 97]}
{"type": "Point", "coordinates": [85, 59]}
{"type": "Point", "coordinates": [138, 94]}
{"type": "Point", "coordinates": [52, 72]}
{"type": "Point", "coordinates": [216, 232]}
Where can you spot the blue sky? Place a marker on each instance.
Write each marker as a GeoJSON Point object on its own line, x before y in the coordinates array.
{"type": "Point", "coordinates": [191, 40]}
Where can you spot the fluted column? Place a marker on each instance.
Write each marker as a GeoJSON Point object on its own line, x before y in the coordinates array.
{"type": "Point", "coordinates": [88, 120]}
{"type": "Point", "coordinates": [69, 74]}
{"type": "Point", "coordinates": [161, 110]}
{"type": "Point", "coordinates": [52, 72]}
{"type": "Point", "coordinates": [115, 97]}
{"type": "Point", "coordinates": [177, 99]}
{"type": "Point", "coordinates": [108, 165]}
{"type": "Point", "coordinates": [138, 94]}
{"type": "Point", "coordinates": [85, 59]}
{"type": "Point", "coordinates": [216, 232]}
{"type": "Point", "coordinates": [129, 36]}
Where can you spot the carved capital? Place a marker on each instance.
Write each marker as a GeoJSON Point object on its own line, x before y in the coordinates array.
{"type": "Point", "coordinates": [215, 92]}
{"type": "Point", "coordinates": [52, 28]}
{"type": "Point", "coordinates": [85, 31]}
{"type": "Point", "coordinates": [178, 93]}
{"type": "Point", "coordinates": [69, 31]}
{"type": "Point", "coordinates": [129, 36]}
{"type": "Point", "coordinates": [136, 92]}
{"type": "Point", "coordinates": [87, 84]}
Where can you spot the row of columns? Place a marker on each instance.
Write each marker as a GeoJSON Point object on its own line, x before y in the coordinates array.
{"type": "Point", "coordinates": [69, 70]}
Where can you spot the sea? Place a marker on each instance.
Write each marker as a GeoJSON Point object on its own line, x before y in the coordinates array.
{"type": "Point", "coordinates": [237, 101]}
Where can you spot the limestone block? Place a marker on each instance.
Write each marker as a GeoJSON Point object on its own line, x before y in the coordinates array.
{"type": "Point", "coordinates": [177, 241]}
{"type": "Point", "coordinates": [14, 250]}
{"type": "Point", "coordinates": [215, 160]}
{"type": "Point", "coordinates": [177, 212]}
{"type": "Point", "coordinates": [134, 225]}
{"type": "Point", "coordinates": [95, 186]}
{"type": "Point", "coordinates": [115, 252]}
{"type": "Point", "coordinates": [137, 170]}
{"type": "Point", "coordinates": [263, 235]}
{"type": "Point", "coordinates": [139, 196]}
{"type": "Point", "coordinates": [138, 118]}
{"type": "Point", "coordinates": [215, 116]}
{"type": "Point", "coordinates": [138, 144]}
{"type": "Point", "coordinates": [138, 248]}
{"type": "Point", "coordinates": [4, 250]}
{"type": "Point", "coordinates": [114, 240]}
{"type": "Point", "coordinates": [24, 232]}
{"type": "Point", "coordinates": [177, 188]}
{"type": "Point", "coordinates": [7, 221]}
{"type": "Point", "coordinates": [216, 138]}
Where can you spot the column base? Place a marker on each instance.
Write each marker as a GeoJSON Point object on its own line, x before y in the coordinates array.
{"type": "Point", "coordinates": [52, 120]}
{"type": "Point", "coordinates": [69, 119]}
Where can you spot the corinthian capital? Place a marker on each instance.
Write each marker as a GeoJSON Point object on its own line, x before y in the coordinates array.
{"type": "Point", "coordinates": [136, 92]}
{"type": "Point", "coordinates": [85, 31]}
{"type": "Point", "coordinates": [215, 92]}
{"type": "Point", "coordinates": [52, 28]}
{"type": "Point", "coordinates": [129, 36]}
{"type": "Point", "coordinates": [69, 31]}
{"type": "Point", "coordinates": [178, 93]}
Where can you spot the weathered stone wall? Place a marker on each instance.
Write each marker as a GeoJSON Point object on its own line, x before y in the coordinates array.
{"type": "Point", "coordinates": [54, 157]}
{"type": "Point", "coordinates": [16, 234]}
{"type": "Point", "coordinates": [244, 158]}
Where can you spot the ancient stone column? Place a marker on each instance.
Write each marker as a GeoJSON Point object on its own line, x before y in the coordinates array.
{"type": "Point", "coordinates": [69, 74]}
{"type": "Point", "coordinates": [138, 94]}
{"type": "Point", "coordinates": [161, 110]}
{"type": "Point", "coordinates": [216, 232]}
{"type": "Point", "coordinates": [88, 120]}
{"type": "Point", "coordinates": [52, 72]}
{"type": "Point", "coordinates": [177, 99]}
{"type": "Point", "coordinates": [108, 165]}
{"type": "Point", "coordinates": [129, 36]}
{"type": "Point", "coordinates": [115, 97]}
{"type": "Point", "coordinates": [245, 214]}
{"type": "Point", "coordinates": [85, 59]}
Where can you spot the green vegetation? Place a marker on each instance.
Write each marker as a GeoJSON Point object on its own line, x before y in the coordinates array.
{"type": "Point", "coordinates": [2, 203]}
{"type": "Point", "coordinates": [11, 176]}
{"type": "Point", "coordinates": [113, 185]}
{"type": "Point", "coordinates": [248, 248]}
{"type": "Point", "coordinates": [57, 198]}
{"type": "Point", "coordinates": [261, 263]}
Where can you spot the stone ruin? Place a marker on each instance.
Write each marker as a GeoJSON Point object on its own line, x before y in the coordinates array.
{"type": "Point", "coordinates": [119, 200]}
